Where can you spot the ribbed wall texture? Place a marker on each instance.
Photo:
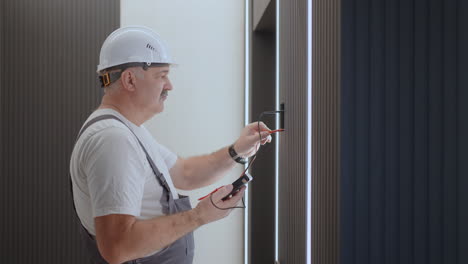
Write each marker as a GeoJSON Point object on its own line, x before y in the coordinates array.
{"type": "Point", "coordinates": [2, 17]}
{"type": "Point", "coordinates": [326, 83]}
{"type": "Point", "coordinates": [293, 148]}
{"type": "Point", "coordinates": [49, 53]}
{"type": "Point", "coordinates": [404, 125]}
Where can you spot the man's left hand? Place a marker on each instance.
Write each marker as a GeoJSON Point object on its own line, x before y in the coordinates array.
{"type": "Point", "coordinates": [249, 140]}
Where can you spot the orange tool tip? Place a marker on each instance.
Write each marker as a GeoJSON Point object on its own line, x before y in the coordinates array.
{"type": "Point", "coordinates": [199, 199]}
{"type": "Point", "coordinates": [274, 131]}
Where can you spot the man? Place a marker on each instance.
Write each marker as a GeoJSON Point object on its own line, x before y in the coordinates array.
{"type": "Point", "coordinates": [124, 182]}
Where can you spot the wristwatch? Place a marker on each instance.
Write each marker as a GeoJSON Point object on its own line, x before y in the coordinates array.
{"type": "Point", "coordinates": [235, 156]}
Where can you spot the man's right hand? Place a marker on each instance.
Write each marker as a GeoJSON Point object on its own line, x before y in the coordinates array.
{"type": "Point", "coordinates": [123, 237]}
{"type": "Point", "coordinates": [207, 212]}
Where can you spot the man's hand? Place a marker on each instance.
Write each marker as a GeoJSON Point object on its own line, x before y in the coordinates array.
{"type": "Point", "coordinates": [207, 213]}
{"type": "Point", "coordinates": [249, 140]}
{"type": "Point", "coordinates": [123, 237]}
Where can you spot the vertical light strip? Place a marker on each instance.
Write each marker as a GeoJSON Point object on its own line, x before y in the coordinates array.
{"type": "Point", "coordinates": [309, 135]}
{"type": "Point", "coordinates": [277, 95]}
{"type": "Point", "coordinates": [246, 118]}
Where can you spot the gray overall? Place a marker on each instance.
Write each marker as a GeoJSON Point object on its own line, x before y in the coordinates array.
{"type": "Point", "coordinates": [179, 252]}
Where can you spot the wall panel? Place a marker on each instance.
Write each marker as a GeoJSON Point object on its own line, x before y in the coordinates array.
{"type": "Point", "coordinates": [461, 151]}
{"type": "Point", "coordinates": [262, 207]}
{"type": "Point", "coordinates": [403, 121]}
{"type": "Point", "coordinates": [293, 150]}
{"type": "Point", "coordinates": [325, 130]}
{"type": "Point", "coordinates": [50, 50]}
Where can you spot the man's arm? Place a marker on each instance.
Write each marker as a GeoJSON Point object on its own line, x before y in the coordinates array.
{"type": "Point", "coordinates": [123, 237]}
{"type": "Point", "coordinates": [200, 171]}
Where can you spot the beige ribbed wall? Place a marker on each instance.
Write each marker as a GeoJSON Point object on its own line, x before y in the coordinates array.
{"type": "Point", "coordinates": [325, 132]}
{"type": "Point", "coordinates": [49, 52]}
{"type": "Point", "coordinates": [293, 148]}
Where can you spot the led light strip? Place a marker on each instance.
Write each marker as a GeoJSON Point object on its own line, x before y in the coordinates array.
{"type": "Point", "coordinates": [277, 95]}
{"type": "Point", "coordinates": [309, 135]}
{"type": "Point", "coordinates": [246, 119]}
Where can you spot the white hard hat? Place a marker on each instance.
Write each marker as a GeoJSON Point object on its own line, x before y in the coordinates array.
{"type": "Point", "coordinates": [133, 44]}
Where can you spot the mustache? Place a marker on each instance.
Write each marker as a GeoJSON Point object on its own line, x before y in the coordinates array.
{"type": "Point", "coordinates": [164, 93]}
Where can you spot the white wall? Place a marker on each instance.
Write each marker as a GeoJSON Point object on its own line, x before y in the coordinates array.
{"type": "Point", "coordinates": [205, 110]}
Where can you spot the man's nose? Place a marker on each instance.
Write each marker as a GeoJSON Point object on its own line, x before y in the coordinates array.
{"type": "Point", "coordinates": [168, 85]}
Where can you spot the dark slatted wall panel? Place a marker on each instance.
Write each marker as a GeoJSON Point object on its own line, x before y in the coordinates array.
{"type": "Point", "coordinates": [49, 52]}
{"type": "Point", "coordinates": [262, 208]}
{"type": "Point", "coordinates": [292, 159]}
{"type": "Point", "coordinates": [2, 52]}
{"type": "Point", "coordinates": [404, 125]}
{"type": "Point", "coordinates": [325, 130]}
{"type": "Point", "coordinates": [462, 130]}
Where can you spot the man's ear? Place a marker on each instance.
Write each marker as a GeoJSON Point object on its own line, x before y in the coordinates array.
{"type": "Point", "coordinates": [128, 79]}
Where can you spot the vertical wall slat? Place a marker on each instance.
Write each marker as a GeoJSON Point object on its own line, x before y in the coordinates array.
{"type": "Point", "coordinates": [347, 133]}
{"type": "Point", "coordinates": [377, 134]}
{"type": "Point", "coordinates": [406, 116]}
{"type": "Point", "coordinates": [421, 133]}
{"type": "Point", "coordinates": [362, 131]}
{"type": "Point", "coordinates": [293, 166]}
{"type": "Point", "coordinates": [391, 118]}
{"type": "Point", "coordinates": [3, 144]}
{"type": "Point", "coordinates": [325, 130]}
{"type": "Point", "coordinates": [450, 138]}
{"type": "Point", "coordinates": [436, 109]}
{"type": "Point", "coordinates": [462, 123]}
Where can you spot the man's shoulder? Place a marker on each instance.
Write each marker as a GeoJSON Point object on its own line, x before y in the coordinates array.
{"type": "Point", "coordinates": [107, 134]}
{"type": "Point", "coordinates": [107, 124]}
{"type": "Point", "coordinates": [108, 128]}
{"type": "Point", "coordinates": [111, 141]}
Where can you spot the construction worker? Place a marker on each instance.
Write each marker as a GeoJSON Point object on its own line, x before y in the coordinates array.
{"type": "Point", "coordinates": [124, 182]}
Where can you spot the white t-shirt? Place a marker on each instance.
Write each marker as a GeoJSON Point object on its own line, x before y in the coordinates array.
{"type": "Point", "coordinates": [110, 172]}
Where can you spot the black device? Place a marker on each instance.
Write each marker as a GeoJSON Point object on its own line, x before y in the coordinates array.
{"type": "Point", "coordinates": [237, 184]}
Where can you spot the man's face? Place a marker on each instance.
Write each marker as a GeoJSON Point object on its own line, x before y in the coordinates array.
{"type": "Point", "coordinates": [153, 89]}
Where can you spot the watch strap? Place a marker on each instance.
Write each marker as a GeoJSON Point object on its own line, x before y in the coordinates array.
{"type": "Point", "coordinates": [236, 156]}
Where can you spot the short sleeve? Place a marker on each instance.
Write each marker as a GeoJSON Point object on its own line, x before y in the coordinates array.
{"type": "Point", "coordinates": [170, 158]}
{"type": "Point", "coordinates": [115, 172]}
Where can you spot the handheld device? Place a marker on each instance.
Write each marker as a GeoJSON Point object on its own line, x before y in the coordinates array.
{"type": "Point", "coordinates": [237, 184]}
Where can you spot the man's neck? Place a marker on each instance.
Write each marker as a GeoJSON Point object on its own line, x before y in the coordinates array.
{"type": "Point", "coordinates": [126, 110]}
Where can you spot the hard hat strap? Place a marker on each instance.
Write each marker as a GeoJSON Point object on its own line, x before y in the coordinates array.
{"type": "Point", "coordinates": [109, 77]}
{"type": "Point", "coordinates": [144, 65]}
